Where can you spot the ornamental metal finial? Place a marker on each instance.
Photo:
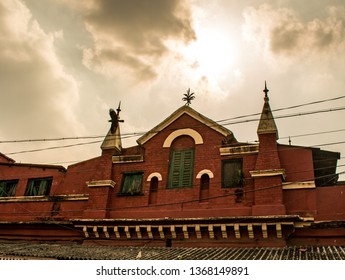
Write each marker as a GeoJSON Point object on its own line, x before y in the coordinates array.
{"type": "Point", "coordinates": [188, 97]}
{"type": "Point", "coordinates": [266, 91]}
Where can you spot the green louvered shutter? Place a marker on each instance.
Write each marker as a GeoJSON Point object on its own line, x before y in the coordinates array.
{"type": "Point", "coordinates": [181, 168]}
{"type": "Point", "coordinates": [175, 170]}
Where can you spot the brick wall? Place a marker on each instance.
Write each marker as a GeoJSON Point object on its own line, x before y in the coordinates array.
{"type": "Point", "coordinates": [268, 197]}
{"type": "Point", "coordinates": [297, 162]}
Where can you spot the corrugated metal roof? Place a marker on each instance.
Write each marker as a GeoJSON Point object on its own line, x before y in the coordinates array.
{"type": "Point", "coordinates": [85, 252]}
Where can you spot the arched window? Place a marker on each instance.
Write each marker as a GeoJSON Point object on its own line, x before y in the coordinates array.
{"type": "Point", "coordinates": [153, 190]}
{"type": "Point", "coordinates": [204, 186]}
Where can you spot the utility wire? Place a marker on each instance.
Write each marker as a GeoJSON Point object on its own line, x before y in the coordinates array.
{"type": "Point", "coordinates": [53, 148]}
{"type": "Point", "coordinates": [219, 121]}
{"type": "Point", "coordinates": [180, 202]}
{"type": "Point", "coordinates": [289, 115]}
{"type": "Point", "coordinates": [123, 136]}
{"type": "Point", "coordinates": [95, 142]}
{"type": "Point", "coordinates": [286, 108]}
{"type": "Point", "coordinates": [128, 135]}
{"type": "Point", "coordinates": [312, 134]}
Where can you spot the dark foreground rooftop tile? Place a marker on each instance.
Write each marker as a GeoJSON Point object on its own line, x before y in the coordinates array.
{"type": "Point", "coordinates": [20, 250]}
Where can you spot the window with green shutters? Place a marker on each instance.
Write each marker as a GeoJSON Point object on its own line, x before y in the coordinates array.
{"type": "Point", "coordinates": [132, 183]}
{"type": "Point", "coordinates": [181, 168]}
{"type": "Point", "coordinates": [8, 188]}
{"type": "Point", "coordinates": [38, 186]}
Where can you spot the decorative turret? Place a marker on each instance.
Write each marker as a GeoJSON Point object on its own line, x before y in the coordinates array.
{"type": "Point", "coordinates": [268, 134]}
{"type": "Point", "coordinates": [268, 174]}
{"type": "Point", "coordinates": [102, 182]}
{"type": "Point", "coordinates": [113, 139]}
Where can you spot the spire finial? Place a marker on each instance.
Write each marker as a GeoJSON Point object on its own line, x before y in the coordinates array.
{"type": "Point", "coordinates": [113, 139]}
{"type": "Point", "coordinates": [266, 90]}
{"type": "Point", "coordinates": [118, 109]}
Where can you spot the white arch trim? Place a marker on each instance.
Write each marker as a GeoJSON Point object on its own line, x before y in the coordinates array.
{"type": "Point", "coordinates": [186, 131]}
{"type": "Point", "coordinates": [154, 174]}
{"type": "Point", "coordinates": [205, 171]}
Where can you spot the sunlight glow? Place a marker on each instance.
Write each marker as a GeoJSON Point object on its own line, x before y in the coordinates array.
{"type": "Point", "coordinates": [213, 54]}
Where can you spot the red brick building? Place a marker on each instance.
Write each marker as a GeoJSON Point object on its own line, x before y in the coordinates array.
{"type": "Point", "coordinates": [188, 182]}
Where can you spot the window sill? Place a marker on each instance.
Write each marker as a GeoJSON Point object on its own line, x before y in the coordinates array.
{"type": "Point", "coordinates": [179, 188]}
{"type": "Point", "coordinates": [130, 194]}
{"type": "Point", "coordinates": [44, 198]}
{"type": "Point", "coordinates": [232, 187]}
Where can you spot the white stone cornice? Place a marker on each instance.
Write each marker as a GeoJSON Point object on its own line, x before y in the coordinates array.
{"type": "Point", "coordinates": [239, 150]}
{"type": "Point", "coordinates": [299, 185]}
{"type": "Point", "coordinates": [267, 173]}
{"type": "Point", "coordinates": [101, 183]}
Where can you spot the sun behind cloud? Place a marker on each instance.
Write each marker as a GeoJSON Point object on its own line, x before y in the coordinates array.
{"type": "Point", "coordinates": [213, 53]}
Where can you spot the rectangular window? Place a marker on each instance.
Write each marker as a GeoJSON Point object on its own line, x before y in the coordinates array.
{"type": "Point", "coordinates": [181, 168]}
{"type": "Point", "coordinates": [8, 188]}
{"type": "Point", "coordinates": [232, 173]}
{"type": "Point", "coordinates": [132, 183]}
{"type": "Point", "coordinates": [38, 186]}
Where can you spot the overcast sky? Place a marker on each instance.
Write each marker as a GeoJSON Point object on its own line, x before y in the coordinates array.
{"type": "Point", "coordinates": [64, 63]}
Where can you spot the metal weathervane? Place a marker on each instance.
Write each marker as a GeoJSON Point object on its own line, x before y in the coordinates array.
{"type": "Point", "coordinates": [115, 118]}
{"type": "Point", "coordinates": [188, 97]}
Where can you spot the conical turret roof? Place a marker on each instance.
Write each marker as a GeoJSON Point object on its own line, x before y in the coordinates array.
{"type": "Point", "coordinates": [267, 123]}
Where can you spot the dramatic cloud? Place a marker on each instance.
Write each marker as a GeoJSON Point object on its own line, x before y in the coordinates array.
{"type": "Point", "coordinates": [282, 31]}
{"type": "Point", "coordinates": [64, 63]}
{"type": "Point", "coordinates": [132, 35]}
{"type": "Point", "coordinates": [36, 93]}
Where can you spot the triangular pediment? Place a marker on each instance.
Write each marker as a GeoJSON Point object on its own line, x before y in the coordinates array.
{"type": "Point", "coordinates": [177, 114]}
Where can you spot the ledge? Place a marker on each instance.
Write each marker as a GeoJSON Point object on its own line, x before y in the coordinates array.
{"type": "Point", "coordinates": [224, 219]}
{"type": "Point", "coordinates": [239, 150]}
{"type": "Point", "coordinates": [128, 159]}
{"type": "Point", "coordinates": [130, 194]}
{"type": "Point", "coordinates": [101, 183]}
{"type": "Point", "coordinates": [267, 173]}
{"type": "Point", "coordinates": [299, 185]}
{"type": "Point", "coordinates": [42, 198]}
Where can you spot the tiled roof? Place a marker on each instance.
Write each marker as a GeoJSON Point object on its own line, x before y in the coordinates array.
{"type": "Point", "coordinates": [83, 252]}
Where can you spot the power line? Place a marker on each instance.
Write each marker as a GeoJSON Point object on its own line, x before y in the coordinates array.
{"type": "Point", "coordinates": [123, 136]}
{"type": "Point", "coordinates": [312, 134]}
{"type": "Point", "coordinates": [219, 121]}
{"type": "Point", "coordinates": [128, 135]}
{"type": "Point", "coordinates": [52, 148]}
{"type": "Point", "coordinates": [181, 202]}
{"type": "Point", "coordinates": [290, 115]}
{"type": "Point", "coordinates": [131, 135]}
{"type": "Point", "coordinates": [287, 108]}
{"type": "Point", "coordinates": [95, 142]}
{"type": "Point", "coordinates": [329, 144]}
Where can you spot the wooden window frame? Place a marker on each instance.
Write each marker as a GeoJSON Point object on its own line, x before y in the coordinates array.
{"type": "Point", "coordinates": [126, 177]}
{"type": "Point", "coordinates": [39, 186]}
{"type": "Point", "coordinates": [237, 179]}
{"type": "Point", "coordinates": [8, 188]}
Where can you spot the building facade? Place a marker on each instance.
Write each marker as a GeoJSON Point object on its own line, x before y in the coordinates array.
{"type": "Point", "coordinates": [188, 182]}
